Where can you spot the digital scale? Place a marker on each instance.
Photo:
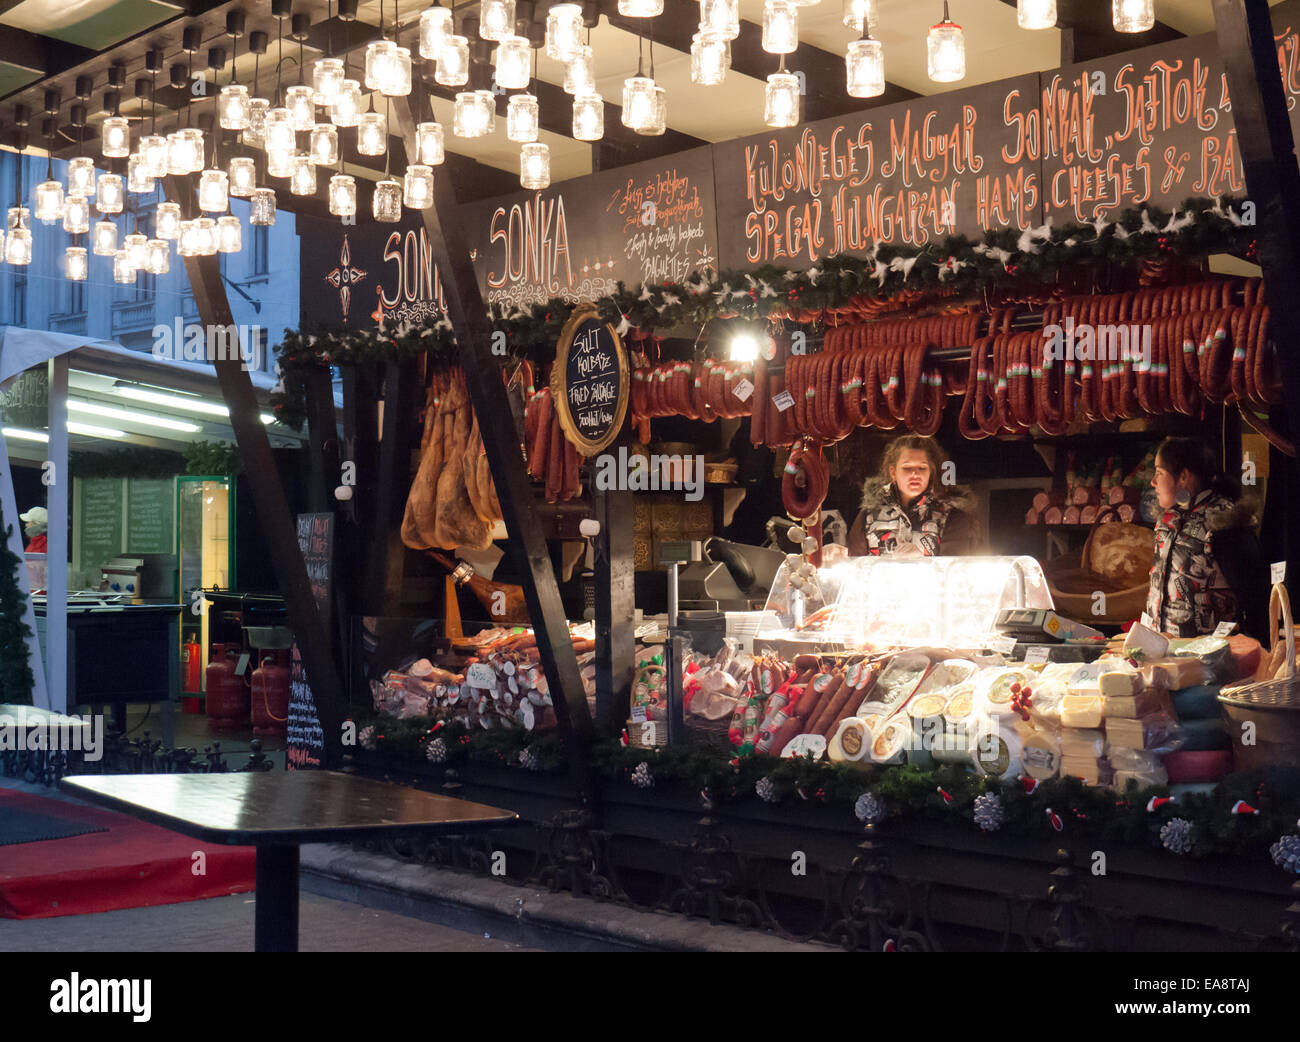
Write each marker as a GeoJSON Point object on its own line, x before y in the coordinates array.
{"type": "Point", "coordinates": [1042, 635]}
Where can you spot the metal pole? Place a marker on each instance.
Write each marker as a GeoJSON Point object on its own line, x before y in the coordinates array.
{"type": "Point", "coordinates": [56, 555]}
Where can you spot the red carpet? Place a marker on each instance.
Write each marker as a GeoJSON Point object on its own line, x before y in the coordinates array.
{"type": "Point", "coordinates": [132, 865]}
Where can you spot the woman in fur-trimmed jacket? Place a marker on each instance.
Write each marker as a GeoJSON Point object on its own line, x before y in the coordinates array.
{"type": "Point", "coordinates": [907, 508]}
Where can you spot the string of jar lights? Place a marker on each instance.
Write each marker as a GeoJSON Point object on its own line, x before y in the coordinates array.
{"type": "Point", "coordinates": [278, 124]}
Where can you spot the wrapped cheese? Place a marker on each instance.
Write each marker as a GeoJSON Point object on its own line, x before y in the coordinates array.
{"type": "Point", "coordinates": [1040, 754]}
{"type": "Point", "coordinates": [1086, 768]}
{"type": "Point", "coordinates": [1179, 673]}
{"type": "Point", "coordinates": [1148, 732]}
{"type": "Point", "coordinates": [997, 751]}
{"type": "Point", "coordinates": [851, 741]}
{"type": "Point", "coordinates": [891, 741]}
{"type": "Point", "coordinates": [1081, 711]}
{"type": "Point", "coordinates": [1081, 743]}
{"type": "Point", "coordinates": [1145, 641]}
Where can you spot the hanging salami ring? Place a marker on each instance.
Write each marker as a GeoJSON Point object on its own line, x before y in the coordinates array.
{"type": "Point", "coordinates": [805, 481]}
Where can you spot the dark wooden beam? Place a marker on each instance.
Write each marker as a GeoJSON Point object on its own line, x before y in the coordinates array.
{"type": "Point", "coordinates": [1087, 32]}
{"type": "Point", "coordinates": [615, 583]}
{"type": "Point", "coordinates": [41, 54]}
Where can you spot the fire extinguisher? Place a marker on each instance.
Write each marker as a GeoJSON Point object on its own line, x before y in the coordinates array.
{"type": "Point", "coordinates": [192, 660]}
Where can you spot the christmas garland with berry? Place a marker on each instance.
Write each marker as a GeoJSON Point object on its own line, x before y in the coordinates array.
{"type": "Point", "coordinates": [957, 264]}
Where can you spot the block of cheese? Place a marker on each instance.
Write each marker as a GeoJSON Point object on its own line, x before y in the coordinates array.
{"type": "Point", "coordinates": [1040, 755]}
{"type": "Point", "coordinates": [1148, 700]}
{"type": "Point", "coordinates": [1080, 743]}
{"type": "Point", "coordinates": [1148, 732]}
{"type": "Point", "coordinates": [1179, 673]}
{"type": "Point", "coordinates": [1144, 640]}
{"type": "Point", "coordinates": [1116, 683]}
{"type": "Point", "coordinates": [1081, 711]}
{"type": "Point", "coordinates": [1085, 767]}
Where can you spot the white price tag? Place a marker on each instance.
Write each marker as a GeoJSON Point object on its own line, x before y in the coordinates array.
{"type": "Point", "coordinates": [743, 389]}
{"type": "Point", "coordinates": [638, 714]}
{"type": "Point", "coordinates": [480, 674]}
{"type": "Point", "coordinates": [1038, 653]}
{"type": "Point", "coordinates": [1004, 645]}
{"type": "Point", "coordinates": [1277, 572]}
{"type": "Point", "coordinates": [1147, 621]}
{"type": "Point", "coordinates": [1224, 629]}
{"type": "Point", "coordinates": [813, 745]}
{"type": "Point", "coordinates": [783, 401]}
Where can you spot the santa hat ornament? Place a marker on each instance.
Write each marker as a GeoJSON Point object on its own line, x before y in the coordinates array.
{"type": "Point", "coordinates": [1242, 807]}
{"type": "Point", "coordinates": [1156, 802]}
{"type": "Point", "coordinates": [889, 946]}
{"type": "Point", "coordinates": [1055, 819]}
{"type": "Point", "coordinates": [946, 797]}
{"type": "Point", "coordinates": [623, 738]}
{"type": "Point", "coordinates": [1029, 784]}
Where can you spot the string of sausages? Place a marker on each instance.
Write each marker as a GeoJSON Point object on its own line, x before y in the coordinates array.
{"type": "Point", "coordinates": [552, 459]}
{"type": "Point", "coordinates": [706, 390]}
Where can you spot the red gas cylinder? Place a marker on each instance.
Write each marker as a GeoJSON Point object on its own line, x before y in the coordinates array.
{"type": "Point", "coordinates": [192, 665]}
{"type": "Point", "coordinates": [227, 697]}
{"type": "Point", "coordinates": [271, 695]}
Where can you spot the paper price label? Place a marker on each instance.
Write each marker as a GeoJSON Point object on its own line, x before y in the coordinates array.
{"type": "Point", "coordinates": [1224, 629]}
{"type": "Point", "coordinates": [1147, 621]}
{"type": "Point", "coordinates": [743, 389]}
{"type": "Point", "coordinates": [783, 401]}
{"type": "Point", "coordinates": [1004, 645]}
{"type": "Point", "coordinates": [480, 674]}
{"type": "Point", "coordinates": [638, 714]}
{"type": "Point", "coordinates": [1277, 572]}
{"type": "Point", "coordinates": [1038, 653]}
{"type": "Point", "coordinates": [813, 745]}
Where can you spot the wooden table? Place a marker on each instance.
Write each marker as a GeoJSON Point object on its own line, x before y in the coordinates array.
{"type": "Point", "coordinates": [277, 812]}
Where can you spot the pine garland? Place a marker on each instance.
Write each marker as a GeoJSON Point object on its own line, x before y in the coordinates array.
{"type": "Point", "coordinates": [16, 679]}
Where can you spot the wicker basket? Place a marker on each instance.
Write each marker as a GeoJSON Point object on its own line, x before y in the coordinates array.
{"type": "Point", "coordinates": [1272, 706]}
{"type": "Point", "coordinates": [711, 732]}
{"type": "Point", "coordinates": [647, 734]}
{"type": "Point", "coordinates": [1073, 583]}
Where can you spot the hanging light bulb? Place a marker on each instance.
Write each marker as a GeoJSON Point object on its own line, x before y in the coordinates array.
{"type": "Point", "coordinates": [372, 134]}
{"type": "Point", "coordinates": [378, 56]}
{"type": "Point", "coordinates": [780, 27]}
{"type": "Point", "coordinates": [496, 19]}
{"type": "Point", "coordinates": [18, 244]}
{"type": "Point", "coordinates": [300, 100]}
{"type": "Point", "coordinates": [324, 149]}
{"type": "Point", "coordinates": [435, 27]}
{"type": "Point", "coordinates": [522, 118]}
{"type": "Point", "coordinates": [280, 162]}
{"type": "Point", "coordinates": [122, 270]}
{"type": "Point", "coordinates": [946, 50]}
{"type": "Point", "coordinates": [254, 133]}
{"type": "Point", "coordinates": [388, 68]}
{"type": "Point", "coordinates": [588, 117]}
{"type": "Point", "coordinates": [214, 191]}
{"type": "Point", "coordinates": [781, 100]}
{"type": "Point", "coordinates": [1036, 14]}
{"type": "Point", "coordinates": [326, 79]}
{"type": "Point", "coordinates": [207, 233]}
{"type": "Point", "coordinates": [178, 157]}
{"type": "Point", "coordinates": [417, 186]}
{"type": "Point", "coordinates": [110, 193]}
{"type": "Point", "coordinates": [857, 11]}
{"type": "Point", "coordinates": [1132, 16]}
{"type": "Point", "coordinates": [343, 195]}
{"type": "Point", "coordinates": [232, 107]}
{"type": "Point", "coordinates": [153, 150]}
{"type": "Point", "coordinates": [261, 210]}
{"type": "Point", "coordinates": [104, 238]}
{"type": "Point", "coordinates": [167, 221]}
{"type": "Point", "coordinates": [721, 17]}
{"type": "Point", "coordinates": [187, 242]}
{"type": "Point", "coordinates": [512, 63]}
{"type": "Point", "coordinates": [453, 62]}
{"type": "Point", "coordinates": [115, 136]}
{"type": "Point", "coordinates": [638, 103]}
{"type": "Point", "coordinates": [386, 204]}
{"type": "Point", "coordinates": [345, 110]}
{"type": "Point", "coordinates": [230, 235]}
{"type": "Point", "coordinates": [580, 72]}
{"type": "Point", "coordinates": [194, 150]}
{"type": "Point", "coordinates": [158, 257]}
{"type": "Point", "coordinates": [278, 131]}
{"type": "Point", "coordinates": [564, 31]}
{"type": "Point", "coordinates": [429, 141]}
{"type": "Point", "coordinates": [864, 64]}
{"type": "Point", "coordinates": [476, 114]}
{"type": "Point", "coordinates": [535, 166]}
{"type": "Point", "coordinates": [49, 201]}
{"type": "Point", "coordinates": [710, 58]}
{"type": "Point", "coordinates": [81, 177]}
{"type": "Point", "coordinates": [399, 74]}
{"type": "Point", "coordinates": [138, 177]}
{"type": "Point", "coordinates": [76, 265]}
{"type": "Point", "coordinates": [76, 214]}
{"type": "Point", "coordinates": [242, 174]}
{"type": "Point", "coordinates": [302, 181]}
{"type": "Point", "coordinates": [640, 8]}
{"type": "Point", "coordinates": [137, 250]}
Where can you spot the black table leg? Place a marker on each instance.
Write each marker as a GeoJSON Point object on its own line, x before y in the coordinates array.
{"type": "Point", "coordinates": [276, 910]}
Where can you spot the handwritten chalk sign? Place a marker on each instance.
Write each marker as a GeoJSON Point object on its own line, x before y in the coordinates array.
{"type": "Point", "coordinates": [304, 739]}
{"type": "Point", "coordinates": [589, 383]}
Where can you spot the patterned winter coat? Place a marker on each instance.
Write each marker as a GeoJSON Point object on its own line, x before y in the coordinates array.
{"type": "Point", "coordinates": [1207, 568]}
{"type": "Point", "coordinates": [938, 521]}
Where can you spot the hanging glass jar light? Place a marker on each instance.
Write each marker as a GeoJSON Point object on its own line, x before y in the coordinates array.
{"type": "Point", "coordinates": [476, 114]}
{"type": "Point", "coordinates": [513, 61]}
{"type": "Point", "coordinates": [278, 130]}
{"type": "Point", "coordinates": [1036, 14]}
{"type": "Point", "coordinates": [580, 72]}
{"type": "Point", "coordinates": [345, 110]}
{"type": "Point", "coordinates": [658, 113]}
{"type": "Point", "coordinates": [115, 137]}
{"type": "Point", "coordinates": [207, 234]}
{"type": "Point", "coordinates": [324, 149]}
{"type": "Point", "coordinates": [158, 260]}
{"type": "Point", "coordinates": [76, 214]}
{"type": "Point", "coordinates": [522, 118]}
{"type": "Point", "coordinates": [255, 132]}
{"type": "Point", "coordinates": [49, 201]}
{"type": "Point", "coordinates": [261, 210]}
{"type": "Point", "coordinates": [640, 8]}
{"type": "Point", "coordinates": [167, 221]}
{"type": "Point", "coordinates": [76, 264]}
{"type": "Point", "coordinates": [187, 241]}
{"type": "Point", "coordinates": [343, 195]}
{"type": "Point", "coordinates": [417, 186]}
{"type": "Point", "coordinates": [81, 176]}
{"type": "Point", "coordinates": [214, 191]}
{"type": "Point", "coordinates": [864, 64]}
{"type": "Point", "coordinates": [232, 107]}
{"type": "Point", "coordinates": [858, 11]}
{"type": "Point", "coordinates": [230, 235]}
{"type": "Point", "coordinates": [710, 58]}
{"type": "Point", "coordinates": [946, 50]}
{"type": "Point", "coordinates": [104, 238]}
{"type": "Point", "coordinates": [638, 103]}
{"type": "Point", "coordinates": [388, 68]}
{"type": "Point", "coordinates": [302, 181]}
{"type": "Point", "coordinates": [588, 117]}
{"type": "Point", "coordinates": [781, 100]}
{"type": "Point", "coordinates": [153, 150]}
{"type": "Point", "coordinates": [496, 19]}
{"type": "Point", "coordinates": [780, 27]}
{"type": "Point", "coordinates": [372, 134]}
{"type": "Point", "coordinates": [535, 166]}
{"type": "Point", "coordinates": [122, 270]}
{"type": "Point", "coordinates": [1132, 16]}
{"type": "Point", "coordinates": [300, 100]}
{"type": "Point", "coordinates": [138, 177]}
{"type": "Point", "coordinates": [110, 193]}
{"type": "Point", "coordinates": [242, 174]}
{"type": "Point", "coordinates": [435, 27]}
{"type": "Point", "coordinates": [326, 78]}
{"type": "Point", "coordinates": [453, 62]}
{"type": "Point", "coordinates": [564, 31]}
{"type": "Point", "coordinates": [137, 250]}
{"type": "Point", "coordinates": [178, 155]}
{"type": "Point", "coordinates": [386, 204]}
{"type": "Point", "coordinates": [18, 246]}
{"type": "Point", "coordinates": [280, 162]}
{"type": "Point", "coordinates": [429, 146]}
{"type": "Point", "coordinates": [721, 17]}
{"type": "Point", "coordinates": [399, 74]}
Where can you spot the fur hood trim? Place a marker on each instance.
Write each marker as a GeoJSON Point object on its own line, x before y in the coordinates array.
{"type": "Point", "coordinates": [1222, 513]}
{"type": "Point", "coordinates": [954, 497]}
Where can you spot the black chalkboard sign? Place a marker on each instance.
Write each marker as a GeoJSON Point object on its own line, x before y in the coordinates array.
{"type": "Point", "coordinates": [98, 525]}
{"type": "Point", "coordinates": [150, 508]}
{"type": "Point", "coordinates": [589, 382]}
{"type": "Point", "coordinates": [305, 741]}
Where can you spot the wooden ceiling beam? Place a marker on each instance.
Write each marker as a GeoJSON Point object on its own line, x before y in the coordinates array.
{"type": "Point", "coordinates": [1087, 32]}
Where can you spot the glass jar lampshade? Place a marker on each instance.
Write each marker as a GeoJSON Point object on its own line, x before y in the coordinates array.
{"type": "Point", "coordinates": [429, 146]}
{"type": "Point", "coordinates": [640, 8]}
{"type": "Point", "coordinates": [81, 176]}
{"type": "Point", "coordinates": [254, 134]}
{"type": "Point", "coordinates": [857, 11]}
{"type": "Point", "coordinates": [945, 51]}
{"type": "Point", "coordinates": [279, 163]}
{"type": "Point", "coordinates": [178, 156]}
{"type": "Point", "coordinates": [302, 181]}
{"type": "Point", "coordinates": [76, 264]}
{"type": "Point", "coordinates": [496, 19]}
{"type": "Point", "coordinates": [386, 204]}
{"type": "Point", "coordinates": [103, 239]}
{"type": "Point", "coordinates": [122, 270]}
{"type": "Point", "coordinates": [588, 117]}
{"type": "Point", "coordinates": [781, 100]}
{"type": "Point", "coordinates": [399, 73]}
{"type": "Point", "coordinates": [115, 137]}
{"type": "Point", "coordinates": [780, 27]}
{"type": "Point", "coordinates": [76, 214]}
{"type": "Point", "coordinates": [710, 58]}
{"type": "Point", "coordinates": [49, 201]}
{"type": "Point", "coordinates": [110, 193]}
{"type": "Point", "coordinates": [214, 191]}
{"type": "Point", "coordinates": [207, 233]}
{"type": "Point", "coordinates": [195, 148]}
{"type": "Point", "coordinates": [158, 257]}
{"type": "Point", "coordinates": [167, 221]}
{"type": "Point", "coordinates": [137, 250]}
{"type": "Point", "coordinates": [326, 78]}
{"type": "Point", "coordinates": [580, 72]}
{"type": "Point", "coordinates": [564, 31]}
{"type": "Point", "coordinates": [187, 239]}
{"type": "Point", "coordinates": [864, 64]}
{"type": "Point", "coordinates": [535, 166]}
{"type": "Point", "coordinates": [372, 134]}
{"type": "Point", "coordinates": [476, 114]}
{"type": "Point", "coordinates": [324, 149]}
{"type": "Point", "coordinates": [435, 27]}
{"type": "Point", "coordinates": [417, 186]}
{"type": "Point", "coordinates": [232, 107]}
{"type": "Point", "coordinates": [388, 68]}
{"type": "Point", "coordinates": [638, 102]}
{"type": "Point", "coordinates": [18, 217]}
{"type": "Point", "coordinates": [242, 174]}
{"type": "Point", "coordinates": [521, 118]}
{"type": "Point", "coordinates": [1132, 16]}
{"type": "Point", "coordinates": [230, 235]}
{"type": "Point", "coordinates": [721, 17]}
{"type": "Point", "coordinates": [513, 59]}
{"type": "Point", "coordinates": [345, 110]}
{"type": "Point", "coordinates": [453, 62]}
{"type": "Point", "coordinates": [658, 113]}
{"type": "Point", "coordinates": [261, 210]}
{"type": "Point", "coordinates": [378, 56]}
{"type": "Point", "coordinates": [300, 100]}
{"type": "Point", "coordinates": [1036, 14]}
{"type": "Point", "coordinates": [343, 195]}
{"type": "Point", "coordinates": [138, 177]}
{"type": "Point", "coordinates": [153, 149]}
{"type": "Point", "coordinates": [18, 246]}
{"type": "Point", "coordinates": [278, 131]}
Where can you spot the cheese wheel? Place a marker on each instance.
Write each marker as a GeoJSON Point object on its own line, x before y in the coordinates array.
{"type": "Point", "coordinates": [1041, 756]}
{"type": "Point", "coordinates": [997, 752]}
{"type": "Point", "coordinates": [851, 741]}
{"type": "Point", "coordinates": [891, 742]}
{"type": "Point", "coordinates": [926, 707]}
{"type": "Point", "coordinates": [960, 705]}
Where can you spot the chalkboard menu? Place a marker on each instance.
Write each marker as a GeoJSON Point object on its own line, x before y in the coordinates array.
{"type": "Point", "coordinates": [305, 741]}
{"type": "Point", "coordinates": [150, 509]}
{"type": "Point", "coordinates": [98, 526]}
{"type": "Point", "coordinates": [589, 382]}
